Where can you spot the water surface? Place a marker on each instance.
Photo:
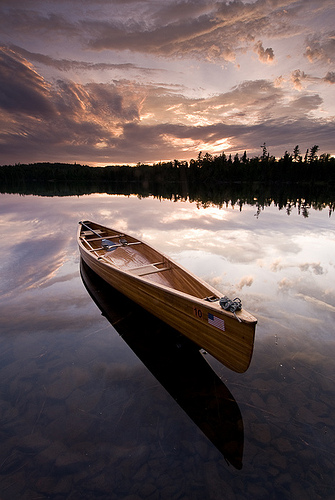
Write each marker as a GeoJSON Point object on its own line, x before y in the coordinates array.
{"type": "Point", "coordinates": [88, 411]}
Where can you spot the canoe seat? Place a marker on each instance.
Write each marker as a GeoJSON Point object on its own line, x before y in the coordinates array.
{"type": "Point", "coordinates": [148, 269]}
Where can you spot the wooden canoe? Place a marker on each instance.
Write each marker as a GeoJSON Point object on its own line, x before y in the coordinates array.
{"type": "Point", "coordinates": [170, 292]}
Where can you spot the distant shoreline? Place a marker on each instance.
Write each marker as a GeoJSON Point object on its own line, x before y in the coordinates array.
{"type": "Point", "coordinates": [258, 183]}
{"type": "Point", "coordinates": [213, 170]}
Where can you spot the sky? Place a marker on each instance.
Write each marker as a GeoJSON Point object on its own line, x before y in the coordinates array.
{"type": "Point", "coordinates": [129, 81]}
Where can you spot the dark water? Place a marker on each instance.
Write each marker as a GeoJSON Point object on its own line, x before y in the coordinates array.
{"type": "Point", "coordinates": [119, 405]}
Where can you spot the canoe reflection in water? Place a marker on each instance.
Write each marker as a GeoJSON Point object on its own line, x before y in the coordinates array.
{"type": "Point", "coordinates": [177, 364]}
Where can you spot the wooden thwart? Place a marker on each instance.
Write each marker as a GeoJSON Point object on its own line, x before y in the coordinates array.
{"type": "Point", "coordinates": [148, 269]}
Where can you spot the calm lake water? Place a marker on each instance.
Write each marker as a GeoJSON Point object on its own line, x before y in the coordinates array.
{"type": "Point", "coordinates": [132, 411]}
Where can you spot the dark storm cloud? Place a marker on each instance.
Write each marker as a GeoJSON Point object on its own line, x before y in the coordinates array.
{"type": "Point", "coordinates": [23, 20]}
{"type": "Point", "coordinates": [209, 30]}
{"type": "Point", "coordinates": [21, 88]}
{"type": "Point", "coordinates": [76, 118]}
{"type": "Point", "coordinates": [68, 64]}
{"type": "Point", "coordinates": [210, 33]}
{"type": "Point", "coordinates": [101, 122]}
{"type": "Point", "coordinates": [203, 29]}
{"type": "Point", "coordinates": [177, 11]}
{"type": "Point", "coordinates": [96, 101]}
{"type": "Point", "coordinates": [170, 29]}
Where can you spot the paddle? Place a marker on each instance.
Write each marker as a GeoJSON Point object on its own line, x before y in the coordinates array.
{"type": "Point", "coordinates": [107, 244]}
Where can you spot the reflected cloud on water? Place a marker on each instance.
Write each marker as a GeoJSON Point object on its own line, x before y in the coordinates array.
{"type": "Point", "coordinates": [32, 263]}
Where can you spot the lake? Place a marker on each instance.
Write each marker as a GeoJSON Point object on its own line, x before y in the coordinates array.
{"type": "Point", "coordinates": [116, 405]}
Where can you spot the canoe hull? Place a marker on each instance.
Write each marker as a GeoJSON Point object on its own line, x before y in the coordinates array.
{"type": "Point", "coordinates": [205, 323]}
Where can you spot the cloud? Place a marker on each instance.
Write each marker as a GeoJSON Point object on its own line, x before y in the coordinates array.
{"type": "Point", "coordinates": [50, 256]}
{"type": "Point", "coordinates": [330, 77]}
{"type": "Point", "coordinates": [245, 281]}
{"type": "Point", "coordinates": [314, 266]}
{"type": "Point", "coordinates": [73, 65]}
{"type": "Point", "coordinates": [208, 30]}
{"type": "Point", "coordinates": [297, 77]}
{"type": "Point", "coordinates": [22, 89]}
{"type": "Point", "coordinates": [276, 265]}
{"type": "Point", "coordinates": [100, 102]}
{"type": "Point", "coordinates": [200, 29]}
{"type": "Point", "coordinates": [74, 115]}
{"type": "Point", "coordinates": [30, 20]}
{"type": "Point", "coordinates": [317, 303]}
{"type": "Point", "coordinates": [300, 79]}
{"type": "Point", "coordinates": [321, 48]}
{"type": "Point", "coordinates": [303, 105]}
{"type": "Point", "coordinates": [125, 121]}
{"type": "Point", "coordinates": [266, 56]}
{"type": "Point", "coordinates": [251, 101]}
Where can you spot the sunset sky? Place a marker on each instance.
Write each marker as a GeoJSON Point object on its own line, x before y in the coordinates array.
{"type": "Point", "coordinates": [125, 81]}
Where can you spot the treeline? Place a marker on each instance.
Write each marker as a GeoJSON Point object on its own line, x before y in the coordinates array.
{"type": "Point", "coordinates": [214, 170]}
{"type": "Point", "coordinates": [294, 179]}
{"type": "Point", "coordinates": [291, 168]}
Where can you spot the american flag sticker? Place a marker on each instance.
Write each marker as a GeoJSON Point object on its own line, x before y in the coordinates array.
{"type": "Point", "coordinates": [215, 321]}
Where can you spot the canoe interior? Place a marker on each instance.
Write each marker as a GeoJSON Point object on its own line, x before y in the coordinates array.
{"type": "Point", "coordinates": [140, 259]}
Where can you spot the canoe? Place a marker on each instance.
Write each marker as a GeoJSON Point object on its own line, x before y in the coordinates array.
{"type": "Point", "coordinates": [170, 292]}
{"type": "Point", "coordinates": [177, 364]}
